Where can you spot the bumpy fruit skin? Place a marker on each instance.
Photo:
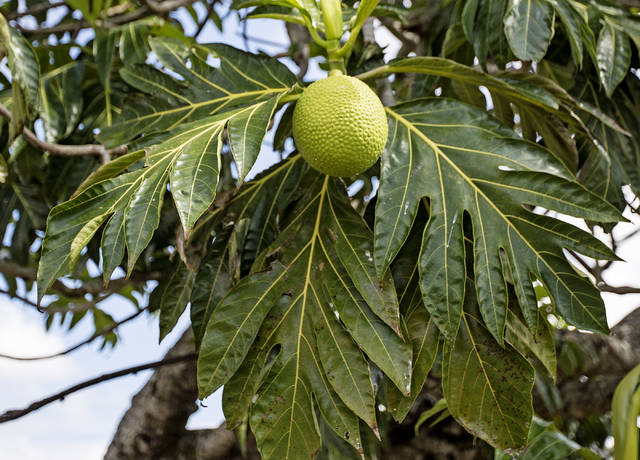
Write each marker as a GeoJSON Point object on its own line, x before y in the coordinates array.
{"type": "Point", "coordinates": [340, 126]}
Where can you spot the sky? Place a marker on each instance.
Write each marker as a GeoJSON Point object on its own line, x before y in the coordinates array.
{"type": "Point", "coordinates": [81, 427]}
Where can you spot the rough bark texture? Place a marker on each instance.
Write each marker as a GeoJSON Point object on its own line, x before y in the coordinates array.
{"type": "Point", "coordinates": [155, 423]}
{"type": "Point", "coordinates": [154, 426]}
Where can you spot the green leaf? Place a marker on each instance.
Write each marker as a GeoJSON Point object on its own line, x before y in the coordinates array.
{"type": "Point", "coordinates": [528, 26]}
{"type": "Point", "coordinates": [482, 21]}
{"type": "Point", "coordinates": [345, 366]}
{"type": "Point", "coordinates": [614, 56]}
{"type": "Point", "coordinates": [447, 68]}
{"type": "Point", "coordinates": [546, 442]}
{"type": "Point", "coordinates": [234, 325]}
{"type": "Point", "coordinates": [112, 244]}
{"type": "Point", "coordinates": [211, 284]}
{"type": "Point", "coordinates": [614, 159]}
{"type": "Point", "coordinates": [466, 162]}
{"type": "Point", "coordinates": [103, 50]}
{"type": "Point", "coordinates": [4, 172]}
{"type": "Point", "coordinates": [60, 103]}
{"type": "Point", "coordinates": [424, 341]}
{"type": "Point", "coordinates": [438, 407]}
{"type": "Point", "coordinates": [540, 343]}
{"type": "Point", "coordinates": [259, 201]}
{"type": "Point", "coordinates": [25, 74]}
{"type": "Point", "coordinates": [625, 410]}
{"type": "Point", "coordinates": [189, 157]}
{"type": "Point", "coordinates": [574, 23]}
{"type": "Point", "coordinates": [68, 219]}
{"type": "Point", "coordinates": [171, 297]}
{"type": "Point", "coordinates": [246, 131]}
{"type": "Point", "coordinates": [134, 45]}
{"type": "Point", "coordinates": [318, 308]}
{"type": "Point", "coordinates": [110, 170]}
{"type": "Point", "coordinates": [487, 387]}
{"type": "Point", "coordinates": [165, 103]}
{"type": "Point", "coordinates": [555, 135]}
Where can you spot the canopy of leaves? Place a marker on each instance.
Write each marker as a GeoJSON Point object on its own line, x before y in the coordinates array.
{"type": "Point", "coordinates": [316, 301]}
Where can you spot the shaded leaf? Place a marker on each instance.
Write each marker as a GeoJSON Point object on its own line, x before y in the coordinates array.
{"type": "Point", "coordinates": [172, 297]}
{"type": "Point", "coordinates": [540, 343]}
{"type": "Point", "coordinates": [424, 341]}
{"type": "Point", "coordinates": [233, 327]}
{"type": "Point", "coordinates": [487, 387]}
{"type": "Point", "coordinates": [574, 23]}
{"type": "Point", "coordinates": [211, 284]}
{"type": "Point", "coordinates": [482, 22]}
{"type": "Point", "coordinates": [60, 103]}
{"type": "Point", "coordinates": [528, 26]}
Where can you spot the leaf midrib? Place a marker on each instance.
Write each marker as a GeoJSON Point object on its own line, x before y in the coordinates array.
{"type": "Point", "coordinates": [439, 153]}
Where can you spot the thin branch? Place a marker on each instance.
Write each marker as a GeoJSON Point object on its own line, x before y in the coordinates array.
{"type": "Point", "coordinates": [618, 289]}
{"type": "Point", "coordinates": [39, 8]}
{"type": "Point", "coordinates": [21, 299]}
{"type": "Point", "coordinates": [65, 150]}
{"type": "Point", "coordinates": [167, 6]}
{"type": "Point", "coordinates": [17, 413]}
{"type": "Point", "coordinates": [210, 6]}
{"type": "Point", "coordinates": [409, 39]}
{"type": "Point", "coordinates": [117, 19]}
{"type": "Point", "coordinates": [94, 336]}
{"type": "Point", "coordinates": [92, 286]}
{"type": "Point", "coordinates": [629, 236]}
{"type": "Point", "coordinates": [593, 271]}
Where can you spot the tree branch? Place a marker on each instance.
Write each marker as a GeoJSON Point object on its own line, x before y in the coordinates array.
{"type": "Point", "coordinates": [39, 8]}
{"type": "Point", "coordinates": [157, 418]}
{"type": "Point", "coordinates": [21, 299]}
{"type": "Point", "coordinates": [618, 289]}
{"type": "Point", "coordinates": [65, 150]}
{"type": "Point", "coordinates": [17, 413]}
{"type": "Point", "coordinates": [167, 6]}
{"type": "Point", "coordinates": [92, 286]}
{"type": "Point", "coordinates": [151, 7]}
{"type": "Point", "coordinates": [93, 336]}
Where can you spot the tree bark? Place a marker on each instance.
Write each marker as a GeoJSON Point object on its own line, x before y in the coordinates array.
{"type": "Point", "coordinates": [156, 421]}
{"type": "Point", "coordinates": [155, 425]}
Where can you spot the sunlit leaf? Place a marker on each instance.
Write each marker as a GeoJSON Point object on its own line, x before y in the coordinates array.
{"type": "Point", "coordinates": [241, 79]}
{"type": "Point", "coordinates": [614, 56]}
{"type": "Point", "coordinates": [465, 162]}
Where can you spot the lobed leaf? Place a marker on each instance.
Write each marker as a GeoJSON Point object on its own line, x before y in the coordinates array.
{"type": "Point", "coordinates": [467, 164]}
{"type": "Point", "coordinates": [487, 387]}
{"type": "Point", "coordinates": [317, 310]}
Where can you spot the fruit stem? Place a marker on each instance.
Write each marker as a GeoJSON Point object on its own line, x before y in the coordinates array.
{"type": "Point", "coordinates": [332, 16]}
{"type": "Point", "coordinates": [336, 62]}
